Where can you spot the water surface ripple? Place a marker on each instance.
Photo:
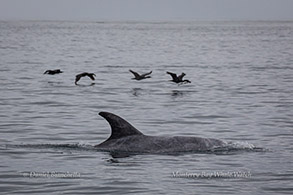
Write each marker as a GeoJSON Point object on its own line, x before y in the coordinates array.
{"type": "Point", "coordinates": [241, 92]}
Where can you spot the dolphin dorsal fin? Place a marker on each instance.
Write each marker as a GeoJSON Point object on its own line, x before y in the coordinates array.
{"type": "Point", "coordinates": [120, 127]}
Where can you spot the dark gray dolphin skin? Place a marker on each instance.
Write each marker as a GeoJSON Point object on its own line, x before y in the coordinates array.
{"type": "Point", "coordinates": [52, 72]}
{"type": "Point", "coordinates": [142, 76]}
{"type": "Point", "coordinates": [126, 138]}
{"type": "Point", "coordinates": [79, 76]}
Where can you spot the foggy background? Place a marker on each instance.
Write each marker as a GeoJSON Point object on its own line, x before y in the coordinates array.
{"type": "Point", "coordinates": [146, 10]}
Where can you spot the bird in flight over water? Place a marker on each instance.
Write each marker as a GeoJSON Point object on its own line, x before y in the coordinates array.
{"type": "Point", "coordinates": [79, 76]}
{"type": "Point", "coordinates": [142, 76]}
{"type": "Point", "coordinates": [52, 72]}
{"type": "Point", "coordinates": [178, 79]}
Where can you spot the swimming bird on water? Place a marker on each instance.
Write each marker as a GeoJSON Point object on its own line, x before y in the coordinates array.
{"type": "Point", "coordinates": [178, 79]}
{"type": "Point", "coordinates": [52, 72]}
{"type": "Point", "coordinates": [142, 76]}
{"type": "Point", "coordinates": [90, 75]}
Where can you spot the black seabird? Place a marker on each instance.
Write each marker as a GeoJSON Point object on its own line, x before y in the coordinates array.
{"type": "Point", "coordinates": [140, 77]}
{"type": "Point", "coordinates": [78, 77]}
{"type": "Point", "coordinates": [52, 72]}
{"type": "Point", "coordinates": [178, 79]}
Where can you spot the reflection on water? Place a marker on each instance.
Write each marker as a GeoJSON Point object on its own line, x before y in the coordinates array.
{"type": "Point", "coordinates": [85, 85]}
{"type": "Point", "coordinates": [137, 91]}
{"type": "Point", "coordinates": [177, 93]}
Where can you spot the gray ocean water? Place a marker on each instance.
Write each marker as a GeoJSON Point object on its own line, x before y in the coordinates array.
{"type": "Point", "coordinates": [241, 91]}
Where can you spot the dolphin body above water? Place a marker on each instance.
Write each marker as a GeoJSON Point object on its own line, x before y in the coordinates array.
{"type": "Point", "coordinates": [126, 138]}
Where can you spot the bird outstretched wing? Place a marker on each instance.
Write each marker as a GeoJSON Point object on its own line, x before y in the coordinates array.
{"type": "Point", "coordinates": [91, 75]}
{"type": "Point", "coordinates": [173, 75]}
{"type": "Point", "coordinates": [143, 75]}
{"type": "Point", "coordinates": [134, 73]}
{"type": "Point", "coordinates": [77, 78]}
{"type": "Point", "coordinates": [180, 77]}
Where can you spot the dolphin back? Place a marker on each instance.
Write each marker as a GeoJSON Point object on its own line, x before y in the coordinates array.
{"type": "Point", "coordinates": [120, 127]}
{"type": "Point", "coordinates": [126, 138]}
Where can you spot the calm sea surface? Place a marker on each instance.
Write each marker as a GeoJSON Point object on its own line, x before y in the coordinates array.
{"type": "Point", "coordinates": [241, 92]}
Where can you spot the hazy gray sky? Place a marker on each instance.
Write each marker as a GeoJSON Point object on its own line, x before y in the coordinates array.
{"type": "Point", "coordinates": [146, 9]}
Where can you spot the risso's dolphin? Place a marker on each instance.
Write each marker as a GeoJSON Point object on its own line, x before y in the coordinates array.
{"type": "Point", "coordinates": [126, 138]}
